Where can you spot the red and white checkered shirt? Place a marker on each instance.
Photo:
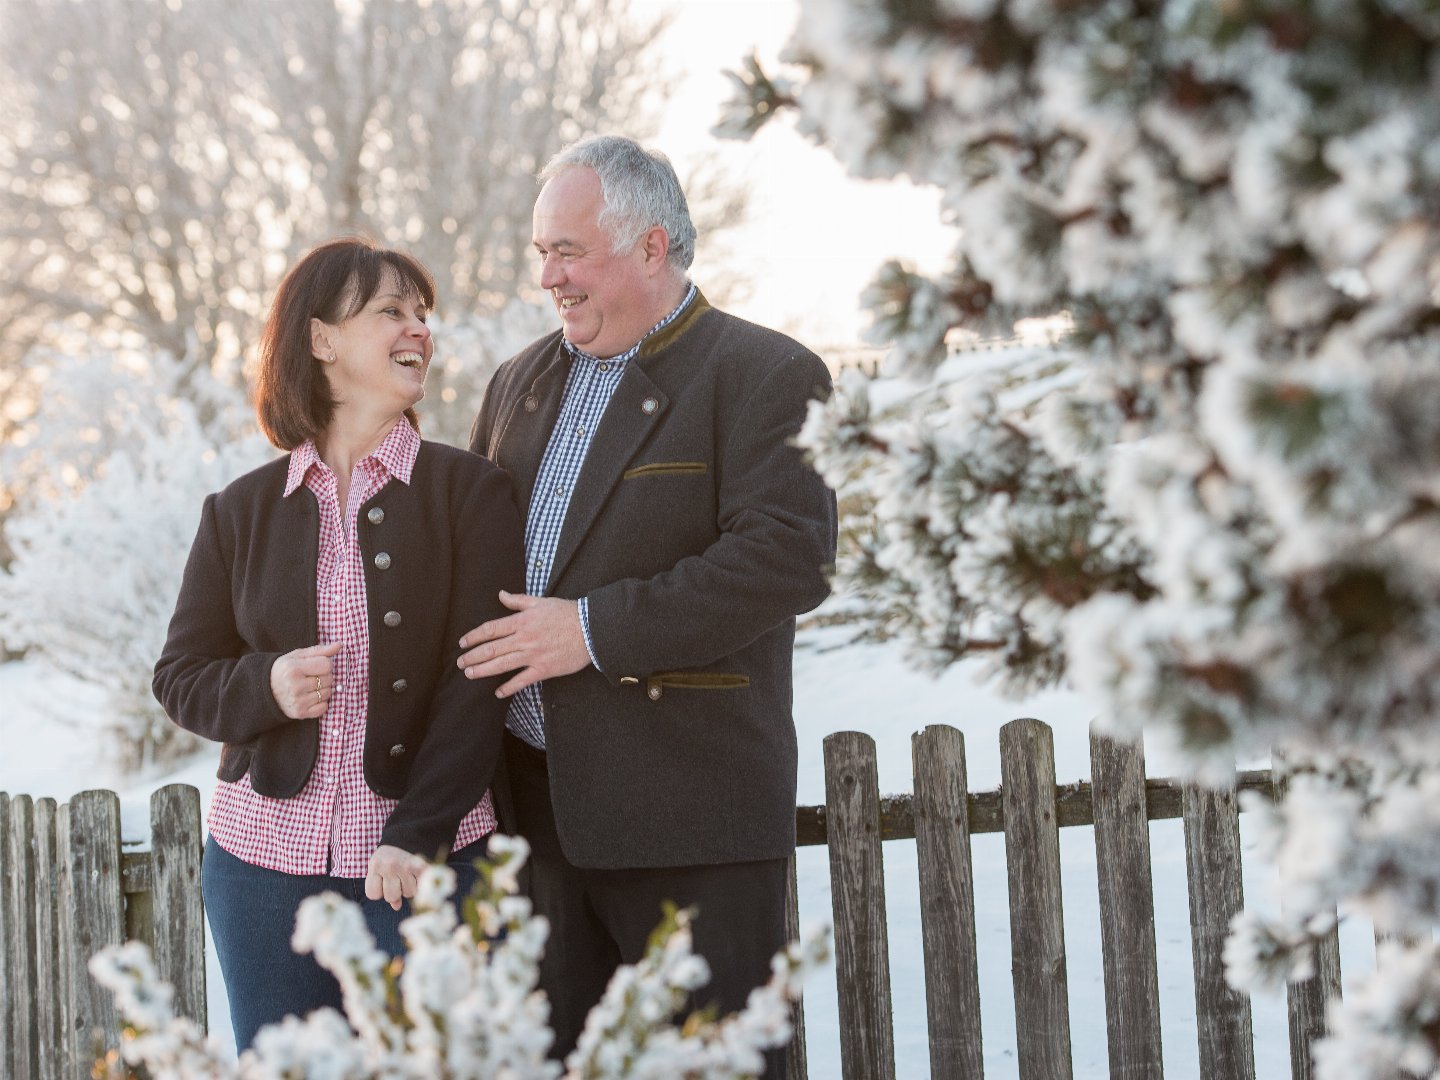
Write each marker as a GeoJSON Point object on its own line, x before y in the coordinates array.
{"type": "Point", "coordinates": [333, 825]}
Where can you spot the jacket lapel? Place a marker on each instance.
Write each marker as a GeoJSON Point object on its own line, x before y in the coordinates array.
{"type": "Point", "coordinates": [525, 432]}
{"type": "Point", "coordinates": [633, 413]}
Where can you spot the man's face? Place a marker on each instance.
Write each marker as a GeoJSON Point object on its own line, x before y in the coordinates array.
{"type": "Point", "coordinates": [604, 300]}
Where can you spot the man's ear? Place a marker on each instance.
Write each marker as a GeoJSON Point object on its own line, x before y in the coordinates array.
{"type": "Point", "coordinates": [656, 245]}
{"type": "Point", "coordinates": [320, 346]}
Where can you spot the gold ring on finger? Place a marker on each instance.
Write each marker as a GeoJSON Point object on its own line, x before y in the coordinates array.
{"type": "Point", "coordinates": [318, 697]}
{"type": "Point", "coordinates": [318, 686]}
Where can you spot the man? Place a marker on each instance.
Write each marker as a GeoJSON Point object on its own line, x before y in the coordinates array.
{"type": "Point", "coordinates": [672, 536]}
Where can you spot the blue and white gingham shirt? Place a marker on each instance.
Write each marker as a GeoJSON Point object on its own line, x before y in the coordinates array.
{"type": "Point", "coordinates": [588, 390]}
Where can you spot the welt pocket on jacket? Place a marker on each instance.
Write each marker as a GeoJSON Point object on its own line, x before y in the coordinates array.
{"type": "Point", "coordinates": [665, 468]}
{"type": "Point", "coordinates": [657, 684]}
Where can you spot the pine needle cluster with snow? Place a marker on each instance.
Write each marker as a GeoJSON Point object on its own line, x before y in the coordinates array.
{"type": "Point", "coordinates": [1224, 520]}
{"type": "Point", "coordinates": [463, 1003]}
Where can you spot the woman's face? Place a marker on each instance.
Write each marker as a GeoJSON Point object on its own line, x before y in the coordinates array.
{"type": "Point", "coordinates": [381, 353]}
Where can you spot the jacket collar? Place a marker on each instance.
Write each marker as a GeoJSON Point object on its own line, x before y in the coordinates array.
{"type": "Point", "coordinates": [668, 335]}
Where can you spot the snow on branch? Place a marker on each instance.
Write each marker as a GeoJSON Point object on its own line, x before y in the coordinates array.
{"type": "Point", "coordinates": [463, 1002]}
{"type": "Point", "coordinates": [1223, 522]}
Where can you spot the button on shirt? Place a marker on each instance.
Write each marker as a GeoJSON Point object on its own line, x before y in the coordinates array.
{"type": "Point", "coordinates": [334, 824]}
{"type": "Point", "coordinates": [589, 387]}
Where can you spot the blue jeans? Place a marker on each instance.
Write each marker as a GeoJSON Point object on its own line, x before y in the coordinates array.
{"type": "Point", "coordinates": [252, 915]}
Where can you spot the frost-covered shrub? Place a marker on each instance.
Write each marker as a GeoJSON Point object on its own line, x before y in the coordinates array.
{"type": "Point", "coordinates": [1223, 524]}
{"type": "Point", "coordinates": [468, 349]}
{"type": "Point", "coordinates": [462, 1005]}
{"type": "Point", "coordinates": [111, 471]}
{"type": "Point", "coordinates": [119, 459]}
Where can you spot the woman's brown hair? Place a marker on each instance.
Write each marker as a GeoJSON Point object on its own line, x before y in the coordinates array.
{"type": "Point", "coordinates": [331, 283]}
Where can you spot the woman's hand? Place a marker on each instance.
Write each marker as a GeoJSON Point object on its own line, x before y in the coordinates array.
{"type": "Point", "coordinates": [303, 681]}
{"type": "Point", "coordinates": [393, 874]}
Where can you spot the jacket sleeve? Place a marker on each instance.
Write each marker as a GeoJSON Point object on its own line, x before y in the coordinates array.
{"type": "Point", "coordinates": [456, 761]}
{"type": "Point", "coordinates": [770, 563]}
{"type": "Point", "coordinates": [208, 679]}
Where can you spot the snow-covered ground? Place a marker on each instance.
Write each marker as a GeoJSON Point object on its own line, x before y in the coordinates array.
{"type": "Point", "coordinates": [46, 748]}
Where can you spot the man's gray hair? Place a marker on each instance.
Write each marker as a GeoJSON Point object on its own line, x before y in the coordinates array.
{"type": "Point", "coordinates": [640, 189]}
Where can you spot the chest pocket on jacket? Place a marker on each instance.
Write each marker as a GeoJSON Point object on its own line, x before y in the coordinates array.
{"type": "Point", "coordinates": [665, 468]}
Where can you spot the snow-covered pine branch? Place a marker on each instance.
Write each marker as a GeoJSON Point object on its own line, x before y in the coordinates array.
{"type": "Point", "coordinates": [1225, 524]}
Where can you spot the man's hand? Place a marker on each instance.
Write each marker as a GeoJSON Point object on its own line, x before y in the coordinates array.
{"type": "Point", "coordinates": [394, 874]}
{"type": "Point", "coordinates": [302, 681]}
{"type": "Point", "coordinates": [542, 640]}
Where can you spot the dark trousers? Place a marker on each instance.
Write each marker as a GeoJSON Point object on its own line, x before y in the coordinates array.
{"type": "Point", "coordinates": [600, 919]}
{"type": "Point", "coordinates": [251, 911]}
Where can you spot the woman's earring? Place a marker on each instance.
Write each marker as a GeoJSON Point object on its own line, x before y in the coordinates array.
{"type": "Point", "coordinates": [332, 354]}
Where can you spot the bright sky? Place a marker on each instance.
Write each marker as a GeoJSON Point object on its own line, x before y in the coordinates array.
{"type": "Point", "coordinates": [815, 237]}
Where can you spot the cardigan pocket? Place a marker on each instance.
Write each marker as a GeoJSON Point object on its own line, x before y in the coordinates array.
{"type": "Point", "coordinates": [665, 468]}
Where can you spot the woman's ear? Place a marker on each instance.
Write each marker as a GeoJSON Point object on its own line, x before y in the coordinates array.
{"type": "Point", "coordinates": [320, 346]}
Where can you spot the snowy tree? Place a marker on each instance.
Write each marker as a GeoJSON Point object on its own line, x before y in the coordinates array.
{"type": "Point", "coordinates": [162, 164]}
{"type": "Point", "coordinates": [1216, 512]}
{"type": "Point", "coordinates": [467, 352]}
{"type": "Point", "coordinates": [464, 1003]}
{"type": "Point", "coordinates": [119, 454]}
{"type": "Point", "coordinates": [96, 563]}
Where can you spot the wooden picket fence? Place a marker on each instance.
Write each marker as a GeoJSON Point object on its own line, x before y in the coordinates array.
{"type": "Point", "coordinates": [1030, 809]}
{"type": "Point", "coordinates": [69, 888]}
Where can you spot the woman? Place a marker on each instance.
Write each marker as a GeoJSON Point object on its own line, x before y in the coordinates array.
{"type": "Point", "coordinates": [317, 631]}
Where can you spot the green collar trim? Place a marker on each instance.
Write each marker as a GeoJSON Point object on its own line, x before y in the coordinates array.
{"type": "Point", "coordinates": [666, 337]}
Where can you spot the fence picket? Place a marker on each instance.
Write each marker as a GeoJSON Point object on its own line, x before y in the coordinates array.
{"type": "Point", "coordinates": [179, 927]}
{"type": "Point", "coordinates": [20, 935]}
{"type": "Point", "coordinates": [947, 903]}
{"type": "Point", "coordinates": [1127, 910]}
{"type": "Point", "coordinates": [7, 963]}
{"type": "Point", "coordinates": [1212, 860]}
{"type": "Point", "coordinates": [1305, 1002]}
{"type": "Point", "coordinates": [96, 905]}
{"type": "Point", "coordinates": [797, 1065]}
{"type": "Point", "coordinates": [65, 925]}
{"type": "Point", "coordinates": [857, 888]}
{"type": "Point", "coordinates": [47, 943]}
{"type": "Point", "coordinates": [1037, 927]}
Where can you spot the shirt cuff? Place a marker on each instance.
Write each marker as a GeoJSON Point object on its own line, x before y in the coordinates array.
{"type": "Point", "coordinates": [584, 604]}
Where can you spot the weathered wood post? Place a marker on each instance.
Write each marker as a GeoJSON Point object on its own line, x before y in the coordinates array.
{"type": "Point", "coordinates": [1127, 909]}
{"type": "Point", "coordinates": [47, 943]}
{"type": "Point", "coordinates": [179, 927]}
{"type": "Point", "coordinates": [1306, 1001]}
{"type": "Point", "coordinates": [857, 888]}
{"type": "Point", "coordinates": [797, 1065]}
{"type": "Point", "coordinates": [947, 904]}
{"type": "Point", "coordinates": [7, 961]}
{"type": "Point", "coordinates": [1037, 925]}
{"type": "Point", "coordinates": [20, 938]}
{"type": "Point", "coordinates": [92, 908]}
{"type": "Point", "coordinates": [1212, 859]}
